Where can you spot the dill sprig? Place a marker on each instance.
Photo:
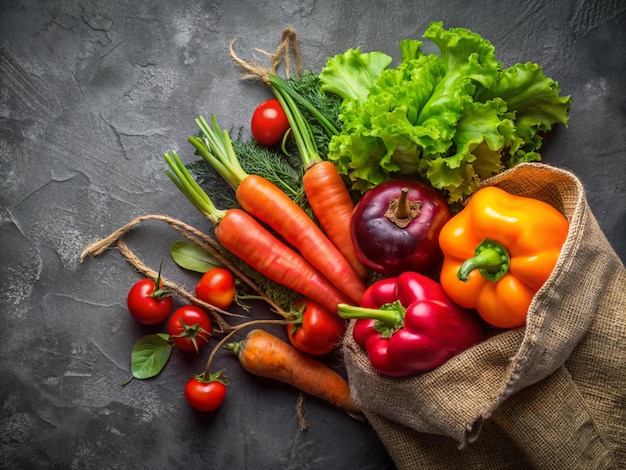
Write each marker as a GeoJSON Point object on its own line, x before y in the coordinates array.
{"type": "Point", "coordinates": [277, 168]}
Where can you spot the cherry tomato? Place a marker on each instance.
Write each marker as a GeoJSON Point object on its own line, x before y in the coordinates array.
{"type": "Point", "coordinates": [318, 331]}
{"type": "Point", "coordinates": [206, 395]}
{"type": "Point", "coordinates": [216, 287]}
{"type": "Point", "coordinates": [269, 122]}
{"type": "Point", "coordinates": [189, 328]}
{"type": "Point", "coordinates": [147, 303]}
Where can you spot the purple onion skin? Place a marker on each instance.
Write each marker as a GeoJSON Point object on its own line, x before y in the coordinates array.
{"type": "Point", "coordinates": [391, 250]}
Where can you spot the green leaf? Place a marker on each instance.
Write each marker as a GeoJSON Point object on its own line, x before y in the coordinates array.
{"type": "Point", "coordinates": [351, 74]}
{"type": "Point", "coordinates": [192, 257]}
{"type": "Point", "coordinates": [149, 356]}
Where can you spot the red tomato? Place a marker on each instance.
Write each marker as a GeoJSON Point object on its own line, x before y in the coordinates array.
{"type": "Point", "coordinates": [216, 287]}
{"type": "Point", "coordinates": [269, 122]}
{"type": "Point", "coordinates": [189, 328]}
{"type": "Point", "coordinates": [206, 395]}
{"type": "Point", "coordinates": [318, 331]}
{"type": "Point", "coordinates": [147, 304]}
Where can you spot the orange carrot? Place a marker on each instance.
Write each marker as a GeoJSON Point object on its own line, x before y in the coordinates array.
{"type": "Point", "coordinates": [247, 239]}
{"type": "Point", "coordinates": [324, 187]}
{"type": "Point", "coordinates": [268, 203]}
{"type": "Point", "coordinates": [265, 355]}
{"type": "Point", "coordinates": [331, 202]}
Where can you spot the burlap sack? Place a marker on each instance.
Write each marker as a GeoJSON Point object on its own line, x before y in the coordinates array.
{"type": "Point", "coordinates": [549, 395]}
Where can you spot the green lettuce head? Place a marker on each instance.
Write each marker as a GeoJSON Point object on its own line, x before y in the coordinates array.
{"type": "Point", "coordinates": [453, 118]}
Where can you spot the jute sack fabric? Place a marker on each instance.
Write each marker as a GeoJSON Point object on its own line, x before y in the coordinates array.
{"type": "Point", "coordinates": [550, 395]}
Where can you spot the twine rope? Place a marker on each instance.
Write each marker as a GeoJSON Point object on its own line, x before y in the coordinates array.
{"type": "Point", "coordinates": [192, 234]}
{"type": "Point", "coordinates": [256, 72]}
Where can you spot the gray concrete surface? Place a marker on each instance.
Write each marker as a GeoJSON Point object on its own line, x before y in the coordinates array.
{"type": "Point", "coordinates": [93, 93]}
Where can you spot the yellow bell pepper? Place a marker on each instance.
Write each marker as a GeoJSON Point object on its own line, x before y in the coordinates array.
{"type": "Point", "coordinates": [498, 252]}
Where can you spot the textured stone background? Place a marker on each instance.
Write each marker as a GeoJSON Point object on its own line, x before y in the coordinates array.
{"type": "Point", "coordinates": [92, 93]}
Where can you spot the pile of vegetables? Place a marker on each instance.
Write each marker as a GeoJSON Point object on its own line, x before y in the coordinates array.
{"type": "Point", "coordinates": [348, 205]}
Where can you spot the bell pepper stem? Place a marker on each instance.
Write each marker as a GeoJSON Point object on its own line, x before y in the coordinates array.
{"type": "Point", "coordinates": [389, 318]}
{"type": "Point", "coordinates": [491, 259]}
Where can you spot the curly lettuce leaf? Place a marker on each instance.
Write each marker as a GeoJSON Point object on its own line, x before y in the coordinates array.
{"type": "Point", "coordinates": [482, 133]}
{"type": "Point", "coordinates": [535, 103]}
{"type": "Point", "coordinates": [380, 132]}
{"type": "Point", "coordinates": [351, 74]}
{"type": "Point", "coordinates": [465, 53]}
{"type": "Point", "coordinates": [453, 118]}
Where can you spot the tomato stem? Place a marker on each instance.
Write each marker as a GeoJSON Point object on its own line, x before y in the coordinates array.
{"type": "Point", "coordinates": [159, 292]}
{"type": "Point", "coordinates": [191, 332]}
{"type": "Point", "coordinates": [216, 377]}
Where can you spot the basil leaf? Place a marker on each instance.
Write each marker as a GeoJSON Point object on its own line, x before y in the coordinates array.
{"type": "Point", "coordinates": [192, 257]}
{"type": "Point", "coordinates": [149, 355]}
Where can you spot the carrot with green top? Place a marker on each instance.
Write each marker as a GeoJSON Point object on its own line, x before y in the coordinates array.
{"type": "Point", "coordinates": [325, 189]}
{"type": "Point", "coordinates": [269, 204]}
{"type": "Point", "coordinates": [247, 239]}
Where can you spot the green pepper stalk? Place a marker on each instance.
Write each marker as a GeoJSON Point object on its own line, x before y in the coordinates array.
{"type": "Point", "coordinates": [491, 259]}
{"type": "Point", "coordinates": [388, 319]}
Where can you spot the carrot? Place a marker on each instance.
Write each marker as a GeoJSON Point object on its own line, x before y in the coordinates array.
{"type": "Point", "coordinates": [247, 239]}
{"type": "Point", "coordinates": [268, 203]}
{"type": "Point", "coordinates": [265, 355]}
{"type": "Point", "coordinates": [324, 187]}
{"type": "Point", "coordinates": [333, 207]}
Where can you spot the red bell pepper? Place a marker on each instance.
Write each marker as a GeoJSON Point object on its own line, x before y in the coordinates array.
{"type": "Point", "coordinates": [408, 325]}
